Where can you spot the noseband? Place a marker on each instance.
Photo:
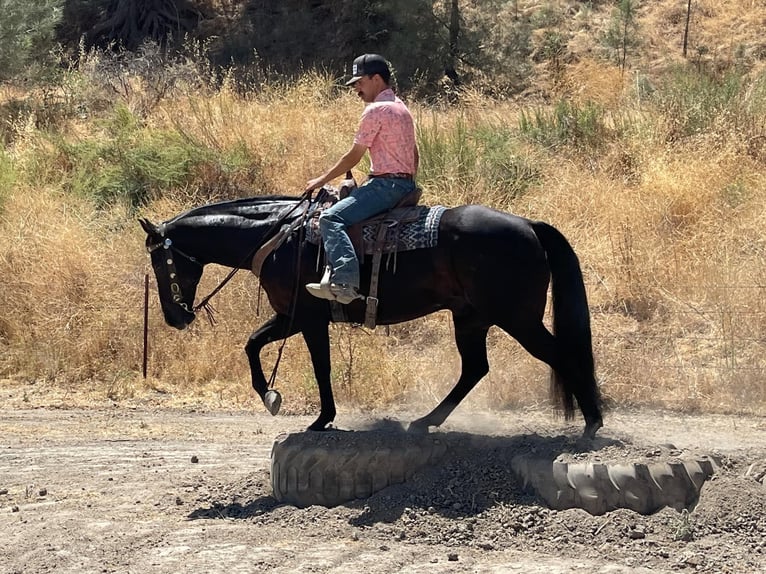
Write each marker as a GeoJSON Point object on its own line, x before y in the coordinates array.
{"type": "Point", "coordinates": [175, 287]}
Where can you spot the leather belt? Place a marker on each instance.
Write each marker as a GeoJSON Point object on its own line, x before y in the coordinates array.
{"type": "Point", "coordinates": [392, 175]}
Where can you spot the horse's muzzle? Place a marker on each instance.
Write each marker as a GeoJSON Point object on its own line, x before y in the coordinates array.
{"type": "Point", "coordinates": [179, 319]}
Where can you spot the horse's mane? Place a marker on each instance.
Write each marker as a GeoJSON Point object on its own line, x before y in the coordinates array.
{"type": "Point", "coordinates": [256, 208]}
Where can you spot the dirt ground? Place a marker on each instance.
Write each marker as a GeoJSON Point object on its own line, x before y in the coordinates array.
{"type": "Point", "coordinates": [139, 488]}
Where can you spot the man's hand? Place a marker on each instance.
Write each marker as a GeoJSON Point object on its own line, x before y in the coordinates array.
{"type": "Point", "coordinates": [345, 163]}
{"type": "Point", "coordinates": [312, 184]}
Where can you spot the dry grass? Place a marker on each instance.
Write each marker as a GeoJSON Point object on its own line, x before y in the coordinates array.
{"type": "Point", "coordinates": [669, 233]}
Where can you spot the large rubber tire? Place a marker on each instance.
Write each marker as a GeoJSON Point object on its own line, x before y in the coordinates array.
{"type": "Point", "coordinates": [332, 468]}
{"type": "Point", "coordinates": [599, 488]}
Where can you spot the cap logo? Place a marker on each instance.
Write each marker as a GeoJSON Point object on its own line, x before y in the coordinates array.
{"type": "Point", "coordinates": [355, 70]}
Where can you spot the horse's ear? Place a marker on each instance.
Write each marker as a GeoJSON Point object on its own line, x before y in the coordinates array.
{"type": "Point", "coordinates": [149, 227]}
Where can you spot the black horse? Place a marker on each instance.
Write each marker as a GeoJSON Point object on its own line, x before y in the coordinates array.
{"type": "Point", "coordinates": [488, 268]}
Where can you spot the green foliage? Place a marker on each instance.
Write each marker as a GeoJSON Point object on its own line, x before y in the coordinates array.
{"type": "Point", "coordinates": [694, 101]}
{"type": "Point", "coordinates": [281, 40]}
{"type": "Point", "coordinates": [547, 16]}
{"type": "Point", "coordinates": [622, 34]}
{"type": "Point", "coordinates": [7, 178]}
{"type": "Point", "coordinates": [684, 528]}
{"type": "Point", "coordinates": [446, 153]}
{"type": "Point", "coordinates": [503, 168]}
{"type": "Point", "coordinates": [567, 124]}
{"type": "Point", "coordinates": [464, 155]}
{"type": "Point", "coordinates": [27, 34]}
{"type": "Point", "coordinates": [132, 164]}
{"type": "Point", "coordinates": [494, 46]}
{"type": "Point", "coordinates": [553, 49]}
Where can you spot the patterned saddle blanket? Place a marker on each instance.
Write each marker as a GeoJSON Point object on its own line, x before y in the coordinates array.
{"type": "Point", "coordinates": [405, 228]}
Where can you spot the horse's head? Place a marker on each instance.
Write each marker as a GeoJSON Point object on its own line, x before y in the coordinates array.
{"type": "Point", "coordinates": [177, 274]}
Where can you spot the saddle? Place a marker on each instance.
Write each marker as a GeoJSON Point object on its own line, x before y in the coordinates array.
{"type": "Point", "coordinates": [377, 236]}
{"type": "Point", "coordinates": [385, 239]}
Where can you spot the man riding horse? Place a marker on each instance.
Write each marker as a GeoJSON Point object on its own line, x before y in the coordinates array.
{"type": "Point", "coordinates": [387, 130]}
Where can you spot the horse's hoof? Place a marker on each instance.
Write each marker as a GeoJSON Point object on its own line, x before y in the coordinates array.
{"type": "Point", "coordinates": [272, 400]}
{"type": "Point", "coordinates": [591, 428]}
{"type": "Point", "coordinates": [418, 427]}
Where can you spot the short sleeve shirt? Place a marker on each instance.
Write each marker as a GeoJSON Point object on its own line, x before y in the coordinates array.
{"type": "Point", "coordinates": [387, 130]}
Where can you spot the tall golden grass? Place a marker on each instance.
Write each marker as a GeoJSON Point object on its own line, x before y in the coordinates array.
{"type": "Point", "coordinates": [669, 231]}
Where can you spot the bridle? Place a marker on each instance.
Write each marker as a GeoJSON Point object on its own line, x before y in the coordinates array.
{"type": "Point", "coordinates": [176, 291]}
{"type": "Point", "coordinates": [175, 287]}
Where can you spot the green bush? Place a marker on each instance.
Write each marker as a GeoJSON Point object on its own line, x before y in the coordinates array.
{"type": "Point", "coordinates": [504, 169]}
{"type": "Point", "coordinates": [133, 164]}
{"type": "Point", "coordinates": [567, 124]}
{"type": "Point", "coordinates": [27, 34]}
{"type": "Point", "coordinates": [7, 178]}
{"type": "Point", "coordinates": [464, 155]}
{"type": "Point", "coordinates": [694, 101]}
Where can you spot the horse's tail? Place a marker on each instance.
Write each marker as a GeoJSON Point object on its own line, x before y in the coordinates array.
{"type": "Point", "coordinates": [571, 327]}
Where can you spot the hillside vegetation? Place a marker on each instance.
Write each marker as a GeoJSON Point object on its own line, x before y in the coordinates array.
{"type": "Point", "coordinates": [652, 164]}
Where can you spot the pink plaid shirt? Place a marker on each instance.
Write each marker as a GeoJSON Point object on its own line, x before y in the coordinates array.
{"type": "Point", "coordinates": [388, 131]}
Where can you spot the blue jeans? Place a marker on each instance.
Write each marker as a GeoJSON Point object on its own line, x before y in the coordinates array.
{"type": "Point", "coordinates": [375, 196]}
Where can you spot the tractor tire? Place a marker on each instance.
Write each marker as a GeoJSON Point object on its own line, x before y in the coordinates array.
{"type": "Point", "coordinates": [599, 488]}
{"type": "Point", "coordinates": [332, 468]}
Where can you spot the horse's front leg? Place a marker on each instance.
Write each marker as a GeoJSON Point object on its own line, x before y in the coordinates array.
{"type": "Point", "coordinates": [317, 339]}
{"type": "Point", "coordinates": [278, 327]}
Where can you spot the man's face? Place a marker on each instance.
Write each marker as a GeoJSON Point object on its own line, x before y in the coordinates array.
{"type": "Point", "coordinates": [368, 87]}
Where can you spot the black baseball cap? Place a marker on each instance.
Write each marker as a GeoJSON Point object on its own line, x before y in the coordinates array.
{"type": "Point", "coordinates": [367, 65]}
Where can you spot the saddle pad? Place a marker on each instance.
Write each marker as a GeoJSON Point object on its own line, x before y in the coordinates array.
{"type": "Point", "coordinates": [419, 231]}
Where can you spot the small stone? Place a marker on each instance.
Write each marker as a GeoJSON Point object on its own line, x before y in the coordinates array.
{"type": "Point", "coordinates": [637, 533]}
{"type": "Point", "coordinates": [3, 491]}
{"type": "Point", "coordinates": [14, 508]}
{"type": "Point", "coordinates": [179, 502]}
{"type": "Point", "coordinates": [452, 557]}
{"type": "Point", "coordinates": [194, 459]}
{"type": "Point", "coordinates": [43, 492]}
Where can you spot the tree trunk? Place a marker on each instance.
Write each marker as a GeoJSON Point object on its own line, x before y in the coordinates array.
{"type": "Point", "coordinates": [686, 28]}
{"type": "Point", "coordinates": [130, 22]}
{"type": "Point", "coordinates": [450, 69]}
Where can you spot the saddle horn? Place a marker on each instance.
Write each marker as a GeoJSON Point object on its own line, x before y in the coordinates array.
{"type": "Point", "coordinates": [347, 185]}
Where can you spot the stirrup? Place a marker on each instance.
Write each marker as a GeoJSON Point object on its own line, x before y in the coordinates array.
{"type": "Point", "coordinates": [320, 290]}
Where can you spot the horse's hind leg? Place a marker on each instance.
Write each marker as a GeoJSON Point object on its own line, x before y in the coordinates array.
{"type": "Point", "coordinates": [471, 339]}
{"type": "Point", "coordinates": [568, 380]}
